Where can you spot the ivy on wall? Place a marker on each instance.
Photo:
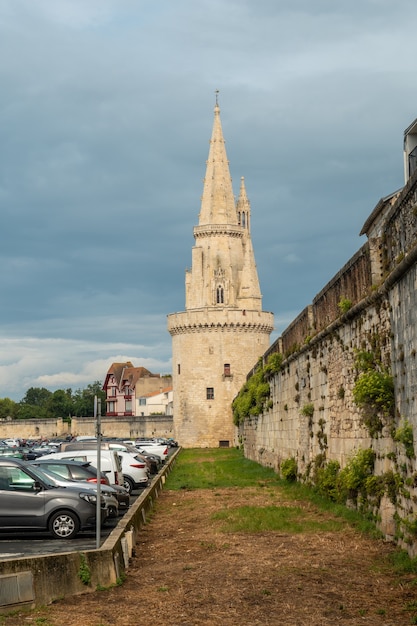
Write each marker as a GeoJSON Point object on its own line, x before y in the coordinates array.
{"type": "Point", "coordinates": [373, 392]}
{"type": "Point", "coordinates": [254, 397]}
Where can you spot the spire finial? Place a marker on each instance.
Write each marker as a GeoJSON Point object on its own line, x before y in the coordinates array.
{"type": "Point", "coordinates": [217, 97]}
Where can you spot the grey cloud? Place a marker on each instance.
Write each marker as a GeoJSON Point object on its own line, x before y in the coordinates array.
{"type": "Point", "coordinates": [105, 117]}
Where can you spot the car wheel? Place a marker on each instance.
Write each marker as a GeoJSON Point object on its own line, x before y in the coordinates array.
{"type": "Point", "coordinates": [113, 512]}
{"type": "Point", "coordinates": [64, 525]}
{"type": "Point", "coordinates": [128, 484]}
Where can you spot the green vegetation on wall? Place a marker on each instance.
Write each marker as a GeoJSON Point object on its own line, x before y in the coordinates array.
{"type": "Point", "coordinates": [404, 434]}
{"type": "Point", "coordinates": [344, 305]}
{"type": "Point", "coordinates": [289, 469]}
{"type": "Point", "coordinates": [253, 398]}
{"type": "Point", "coordinates": [373, 392]}
{"type": "Point", "coordinates": [84, 572]}
{"type": "Point", "coordinates": [344, 484]}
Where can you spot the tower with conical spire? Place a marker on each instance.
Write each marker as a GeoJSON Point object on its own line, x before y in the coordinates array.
{"type": "Point", "coordinates": [223, 330]}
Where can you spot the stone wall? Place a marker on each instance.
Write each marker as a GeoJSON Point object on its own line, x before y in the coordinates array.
{"type": "Point", "coordinates": [313, 414]}
{"type": "Point", "coordinates": [129, 427]}
{"type": "Point", "coordinates": [33, 428]}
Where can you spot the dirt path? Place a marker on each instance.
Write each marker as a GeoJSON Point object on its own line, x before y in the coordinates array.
{"type": "Point", "coordinates": [188, 572]}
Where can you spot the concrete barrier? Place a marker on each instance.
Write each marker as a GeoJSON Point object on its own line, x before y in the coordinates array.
{"type": "Point", "coordinates": [36, 581]}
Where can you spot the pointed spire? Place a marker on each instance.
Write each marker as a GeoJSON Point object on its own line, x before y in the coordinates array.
{"type": "Point", "coordinates": [243, 206]}
{"type": "Point", "coordinates": [217, 202]}
{"type": "Point", "coordinates": [249, 295]}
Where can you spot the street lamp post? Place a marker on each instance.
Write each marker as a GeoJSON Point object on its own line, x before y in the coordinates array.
{"type": "Point", "coordinates": [97, 415]}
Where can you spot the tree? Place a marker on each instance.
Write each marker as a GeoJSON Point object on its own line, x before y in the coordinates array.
{"type": "Point", "coordinates": [8, 408]}
{"type": "Point", "coordinates": [83, 400]}
{"type": "Point", "coordinates": [40, 403]}
{"type": "Point", "coordinates": [35, 404]}
{"type": "Point", "coordinates": [32, 411]}
{"type": "Point", "coordinates": [60, 403]}
{"type": "Point", "coordinates": [37, 396]}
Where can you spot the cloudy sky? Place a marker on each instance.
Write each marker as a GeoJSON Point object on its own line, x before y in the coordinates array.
{"type": "Point", "coordinates": [106, 111]}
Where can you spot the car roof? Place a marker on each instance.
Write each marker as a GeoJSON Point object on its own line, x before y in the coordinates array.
{"type": "Point", "coordinates": [12, 460]}
{"type": "Point", "coordinates": [61, 462]}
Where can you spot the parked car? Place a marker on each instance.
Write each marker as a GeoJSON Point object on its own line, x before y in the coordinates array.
{"type": "Point", "coordinates": [108, 493]}
{"type": "Point", "coordinates": [153, 461]}
{"type": "Point", "coordinates": [8, 451]}
{"type": "Point", "coordinates": [43, 450]}
{"type": "Point", "coordinates": [29, 501]}
{"type": "Point", "coordinates": [12, 442]}
{"type": "Point", "coordinates": [150, 445]}
{"type": "Point", "coordinates": [109, 461]}
{"type": "Point", "coordinates": [28, 454]}
{"type": "Point", "coordinates": [72, 470]}
{"type": "Point", "coordinates": [170, 442]}
{"type": "Point", "coordinates": [83, 471]}
{"type": "Point", "coordinates": [134, 469]}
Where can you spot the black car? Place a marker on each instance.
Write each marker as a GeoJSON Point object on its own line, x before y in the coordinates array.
{"type": "Point", "coordinates": [28, 454]}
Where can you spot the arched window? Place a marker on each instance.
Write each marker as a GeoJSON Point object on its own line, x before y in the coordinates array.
{"type": "Point", "coordinates": [243, 219]}
{"type": "Point", "coordinates": [220, 295]}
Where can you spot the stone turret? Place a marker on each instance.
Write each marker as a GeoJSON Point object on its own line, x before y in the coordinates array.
{"type": "Point", "coordinates": [223, 330]}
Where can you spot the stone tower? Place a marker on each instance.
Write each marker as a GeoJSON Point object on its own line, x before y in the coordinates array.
{"type": "Point", "coordinates": [223, 330]}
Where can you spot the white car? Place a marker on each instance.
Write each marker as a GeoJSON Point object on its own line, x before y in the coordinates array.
{"type": "Point", "coordinates": [135, 471]}
{"type": "Point", "coordinates": [12, 443]}
{"type": "Point", "coordinates": [152, 446]}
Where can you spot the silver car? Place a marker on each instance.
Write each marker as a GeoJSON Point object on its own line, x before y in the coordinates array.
{"type": "Point", "coordinates": [30, 501]}
{"type": "Point", "coordinates": [108, 493]}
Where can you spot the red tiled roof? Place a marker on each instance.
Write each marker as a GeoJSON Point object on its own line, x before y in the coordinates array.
{"type": "Point", "coordinates": [126, 371]}
{"type": "Point", "coordinates": [157, 393]}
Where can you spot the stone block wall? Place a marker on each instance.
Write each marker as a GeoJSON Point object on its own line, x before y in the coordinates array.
{"type": "Point", "coordinates": [129, 427]}
{"type": "Point", "coordinates": [320, 375]}
{"type": "Point", "coordinates": [352, 283]}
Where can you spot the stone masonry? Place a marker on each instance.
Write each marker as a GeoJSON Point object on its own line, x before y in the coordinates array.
{"type": "Point", "coordinates": [223, 330]}
{"type": "Point", "coordinates": [319, 349]}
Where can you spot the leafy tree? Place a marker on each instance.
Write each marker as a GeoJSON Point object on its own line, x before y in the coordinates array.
{"type": "Point", "coordinates": [8, 408]}
{"type": "Point", "coordinates": [60, 403]}
{"type": "Point", "coordinates": [34, 404]}
{"type": "Point", "coordinates": [32, 411]}
{"type": "Point", "coordinates": [37, 396]}
{"type": "Point", "coordinates": [40, 403]}
{"type": "Point", "coordinates": [83, 400]}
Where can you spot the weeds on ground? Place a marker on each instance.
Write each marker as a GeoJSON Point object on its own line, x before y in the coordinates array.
{"type": "Point", "coordinates": [286, 519]}
{"type": "Point", "coordinates": [215, 468]}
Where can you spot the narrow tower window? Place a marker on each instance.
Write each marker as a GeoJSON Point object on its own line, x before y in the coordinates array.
{"type": "Point", "coordinates": [220, 295]}
{"type": "Point", "coordinates": [179, 368]}
{"type": "Point", "coordinates": [243, 219]}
